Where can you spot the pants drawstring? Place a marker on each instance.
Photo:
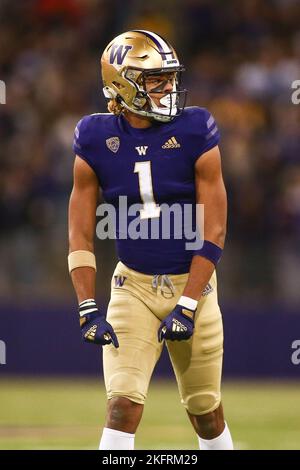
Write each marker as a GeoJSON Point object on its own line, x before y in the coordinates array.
{"type": "Point", "coordinates": [165, 282]}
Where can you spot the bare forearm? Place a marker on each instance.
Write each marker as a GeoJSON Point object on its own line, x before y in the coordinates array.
{"type": "Point", "coordinates": [82, 209]}
{"type": "Point", "coordinates": [202, 268]}
{"type": "Point", "coordinates": [211, 193]}
{"type": "Point", "coordinates": [84, 280]}
{"type": "Point", "coordinates": [200, 273]}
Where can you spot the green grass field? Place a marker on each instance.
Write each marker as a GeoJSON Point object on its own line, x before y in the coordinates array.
{"type": "Point", "coordinates": [68, 414]}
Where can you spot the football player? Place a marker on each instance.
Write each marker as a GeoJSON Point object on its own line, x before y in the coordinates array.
{"type": "Point", "coordinates": [154, 151]}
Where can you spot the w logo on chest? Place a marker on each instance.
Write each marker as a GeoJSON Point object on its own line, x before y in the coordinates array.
{"type": "Point", "coordinates": [118, 52]}
{"type": "Point", "coordinates": [119, 280]}
{"type": "Point", "coordinates": [142, 150]}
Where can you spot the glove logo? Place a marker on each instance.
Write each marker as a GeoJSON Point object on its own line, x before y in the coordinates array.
{"type": "Point", "coordinates": [91, 332]}
{"type": "Point", "coordinates": [178, 326]}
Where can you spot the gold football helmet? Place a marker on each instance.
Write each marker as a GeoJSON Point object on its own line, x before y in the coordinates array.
{"type": "Point", "coordinates": [126, 63]}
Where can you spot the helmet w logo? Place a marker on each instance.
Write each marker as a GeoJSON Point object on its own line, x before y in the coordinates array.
{"type": "Point", "coordinates": [118, 53]}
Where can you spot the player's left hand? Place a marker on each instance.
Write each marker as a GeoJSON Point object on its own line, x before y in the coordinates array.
{"type": "Point", "coordinates": [178, 325]}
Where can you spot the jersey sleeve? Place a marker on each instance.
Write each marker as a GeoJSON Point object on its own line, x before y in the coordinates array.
{"type": "Point", "coordinates": [208, 135]}
{"type": "Point", "coordinates": [211, 132]}
{"type": "Point", "coordinates": [82, 143]}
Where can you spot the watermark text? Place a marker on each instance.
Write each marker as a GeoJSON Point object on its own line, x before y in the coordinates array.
{"type": "Point", "coordinates": [2, 92]}
{"type": "Point", "coordinates": [296, 94]}
{"type": "Point", "coordinates": [169, 222]}
{"type": "Point", "coordinates": [2, 352]}
{"type": "Point", "coordinates": [295, 357]}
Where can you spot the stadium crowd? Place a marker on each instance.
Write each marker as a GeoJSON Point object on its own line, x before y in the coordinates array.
{"type": "Point", "coordinates": [241, 59]}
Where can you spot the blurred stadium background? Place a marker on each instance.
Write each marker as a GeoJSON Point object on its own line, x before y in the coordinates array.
{"type": "Point", "coordinates": [241, 58]}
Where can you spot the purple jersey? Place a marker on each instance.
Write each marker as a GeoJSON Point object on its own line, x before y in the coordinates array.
{"type": "Point", "coordinates": [153, 167]}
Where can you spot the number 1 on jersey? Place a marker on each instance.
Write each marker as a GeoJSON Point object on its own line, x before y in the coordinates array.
{"type": "Point", "coordinates": [150, 209]}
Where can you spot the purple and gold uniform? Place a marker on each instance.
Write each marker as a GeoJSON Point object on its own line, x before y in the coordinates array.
{"type": "Point", "coordinates": [154, 166]}
{"type": "Point", "coordinates": [168, 152]}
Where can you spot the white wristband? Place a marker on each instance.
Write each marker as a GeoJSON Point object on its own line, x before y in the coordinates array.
{"type": "Point", "coordinates": [187, 302]}
{"type": "Point", "coordinates": [80, 259]}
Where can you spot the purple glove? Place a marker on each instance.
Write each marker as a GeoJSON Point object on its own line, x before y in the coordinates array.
{"type": "Point", "coordinates": [94, 327]}
{"type": "Point", "coordinates": [178, 325]}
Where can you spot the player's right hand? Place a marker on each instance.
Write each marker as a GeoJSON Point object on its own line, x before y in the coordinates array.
{"type": "Point", "coordinates": [94, 327]}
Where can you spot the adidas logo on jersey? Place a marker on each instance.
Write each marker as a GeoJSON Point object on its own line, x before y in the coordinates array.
{"type": "Point", "coordinates": [171, 144]}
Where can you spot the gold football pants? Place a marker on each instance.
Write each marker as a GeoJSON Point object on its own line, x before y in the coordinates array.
{"type": "Point", "coordinates": [138, 304]}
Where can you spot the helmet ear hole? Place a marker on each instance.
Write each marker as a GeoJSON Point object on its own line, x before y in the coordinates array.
{"type": "Point", "coordinates": [117, 85]}
{"type": "Point", "coordinates": [140, 100]}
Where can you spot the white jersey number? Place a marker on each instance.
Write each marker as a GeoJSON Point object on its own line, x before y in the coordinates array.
{"type": "Point", "coordinates": [150, 209]}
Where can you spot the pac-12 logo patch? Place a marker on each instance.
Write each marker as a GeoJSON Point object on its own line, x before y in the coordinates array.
{"type": "Point", "coordinates": [113, 143]}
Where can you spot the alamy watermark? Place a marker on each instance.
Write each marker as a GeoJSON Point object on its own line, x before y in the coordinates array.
{"type": "Point", "coordinates": [2, 352]}
{"type": "Point", "coordinates": [296, 94]}
{"type": "Point", "coordinates": [2, 92]}
{"type": "Point", "coordinates": [295, 357]}
{"type": "Point", "coordinates": [141, 221]}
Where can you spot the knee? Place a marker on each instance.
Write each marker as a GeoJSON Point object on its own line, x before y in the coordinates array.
{"type": "Point", "coordinates": [209, 425]}
{"type": "Point", "coordinates": [127, 385]}
{"type": "Point", "coordinates": [123, 414]}
{"type": "Point", "coordinates": [202, 403]}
